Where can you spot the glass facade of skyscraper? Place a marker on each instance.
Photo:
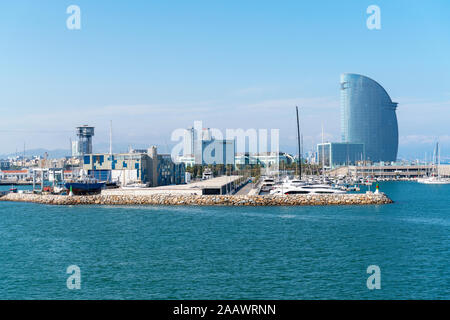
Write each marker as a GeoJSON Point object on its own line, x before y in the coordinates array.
{"type": "Point", "coordinates": [368, 117]}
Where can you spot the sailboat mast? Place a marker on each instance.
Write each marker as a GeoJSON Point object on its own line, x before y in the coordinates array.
{"type": "Point", "coordinates": [323, 155]}
{"type": "Point", "coordinates": [438, 154]}
{"type": "Point", "coordinates": [110, 137]}
{"type": "Point", "coordinates": [299, 145]}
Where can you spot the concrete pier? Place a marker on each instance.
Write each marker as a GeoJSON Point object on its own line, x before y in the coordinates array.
{"type": "Point", "coordinates": [204, 200]}
{"type": "Point", "coordinates": [216, 186]}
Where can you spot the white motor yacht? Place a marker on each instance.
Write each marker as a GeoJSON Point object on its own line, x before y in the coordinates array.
{"type": "Point", "coordinates": [306, 189]}
{"type": "Point", "coordinates": [267, 184]}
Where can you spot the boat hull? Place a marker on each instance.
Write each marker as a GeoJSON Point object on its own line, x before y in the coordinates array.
{"type": "Point", "coordinates": [79, 188]}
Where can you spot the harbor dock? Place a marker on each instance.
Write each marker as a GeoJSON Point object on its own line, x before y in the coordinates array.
{"type": "Point", "coordinates": [216, 186]}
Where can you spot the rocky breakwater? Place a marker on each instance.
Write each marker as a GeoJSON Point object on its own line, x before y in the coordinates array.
{"type": "Point", "coordinates": [200, 200]}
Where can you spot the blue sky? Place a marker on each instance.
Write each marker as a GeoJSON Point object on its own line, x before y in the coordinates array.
{"type": "Point", "coordinates": [154, 66]}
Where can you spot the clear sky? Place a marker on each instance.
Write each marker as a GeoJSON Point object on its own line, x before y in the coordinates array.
{"type": "Point", "coordinates": [155, 66]}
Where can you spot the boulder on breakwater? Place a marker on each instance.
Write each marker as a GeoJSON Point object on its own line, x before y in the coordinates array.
{"type": "Point", "coordinates": [204, 200]}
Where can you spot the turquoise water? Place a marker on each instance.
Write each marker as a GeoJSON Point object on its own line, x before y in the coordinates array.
{"type": "Point", "coordinates": [230, 253]}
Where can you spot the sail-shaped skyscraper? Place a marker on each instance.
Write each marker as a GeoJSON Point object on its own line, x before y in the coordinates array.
{"type": "Point", "coordinates": [368, 116]}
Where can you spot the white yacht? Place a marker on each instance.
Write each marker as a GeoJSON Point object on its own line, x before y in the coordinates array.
{"type": "Point", "coordinates": [435, 177]}
{"type": "Point", "coordinates": [433, 180]}
{"type": "Point", "coordinates": [287, 189]}
{"type": "Point", "coordinates": [267, 184]}
{"type": "Point", "coordinates": [291, 183]}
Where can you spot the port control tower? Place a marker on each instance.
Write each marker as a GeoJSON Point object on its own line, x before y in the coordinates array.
{"type": "Point", "coordinates": [85, 134]}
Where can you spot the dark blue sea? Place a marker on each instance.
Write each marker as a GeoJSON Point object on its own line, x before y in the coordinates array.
{"type": "Point", "coordinates": [154, 252]}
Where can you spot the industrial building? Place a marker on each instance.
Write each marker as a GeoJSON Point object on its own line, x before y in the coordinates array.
{"type": "Point", "coordinates": [135, 167]}
{"type": "Point", "coordinates": [335, 154]}
{"type": "Point", "coordinates": [368, 117]}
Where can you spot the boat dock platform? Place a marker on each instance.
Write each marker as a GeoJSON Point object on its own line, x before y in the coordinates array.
{"type": "Point", "coordinates": [215, 186]}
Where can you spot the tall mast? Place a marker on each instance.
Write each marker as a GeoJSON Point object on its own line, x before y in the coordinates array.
{"type": "Point", "coordinates": [299, 145]}
{"type": "Point", "coordinates": [302, 146]}
{"type": "Point", "coordinates": [110, 137]}
{"type": "Point", "coordinates": [323, 156]}
{"type": "Point", "coordinates": [438, 154]}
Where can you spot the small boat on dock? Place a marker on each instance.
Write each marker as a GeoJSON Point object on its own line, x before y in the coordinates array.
{"type": "Point", "coordinates": [85, 186]}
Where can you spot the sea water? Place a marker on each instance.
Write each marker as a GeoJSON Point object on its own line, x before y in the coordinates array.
{"type": "Point", "coordinates": [192, 252]}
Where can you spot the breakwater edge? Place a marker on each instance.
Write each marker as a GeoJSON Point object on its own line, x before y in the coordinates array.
{"type": "Point", "coordinates": [203, 200]}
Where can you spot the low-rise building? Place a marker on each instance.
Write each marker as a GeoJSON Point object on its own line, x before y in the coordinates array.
{"type": "Point", "coordinates": [264, 159]}
{"type": "Point", "coordinates": [15, 175]}
{"type": "Point", "coordinates": [5, 164]}
{"type": "Point", "coordinates": [336, 154]}
{"type": "Point", "coordinates": [136, 167]}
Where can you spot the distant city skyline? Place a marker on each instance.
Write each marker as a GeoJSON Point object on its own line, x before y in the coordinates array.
{"type": "Point", "coordinates": [153, 67]}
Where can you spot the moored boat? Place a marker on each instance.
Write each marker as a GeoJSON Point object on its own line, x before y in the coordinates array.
{"type": "Point", "coordinates": [306, 189]}
{"type": "Point", "coordinates": [87, 186]}
{"type": "Point", "coordinates": [435, 177]}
